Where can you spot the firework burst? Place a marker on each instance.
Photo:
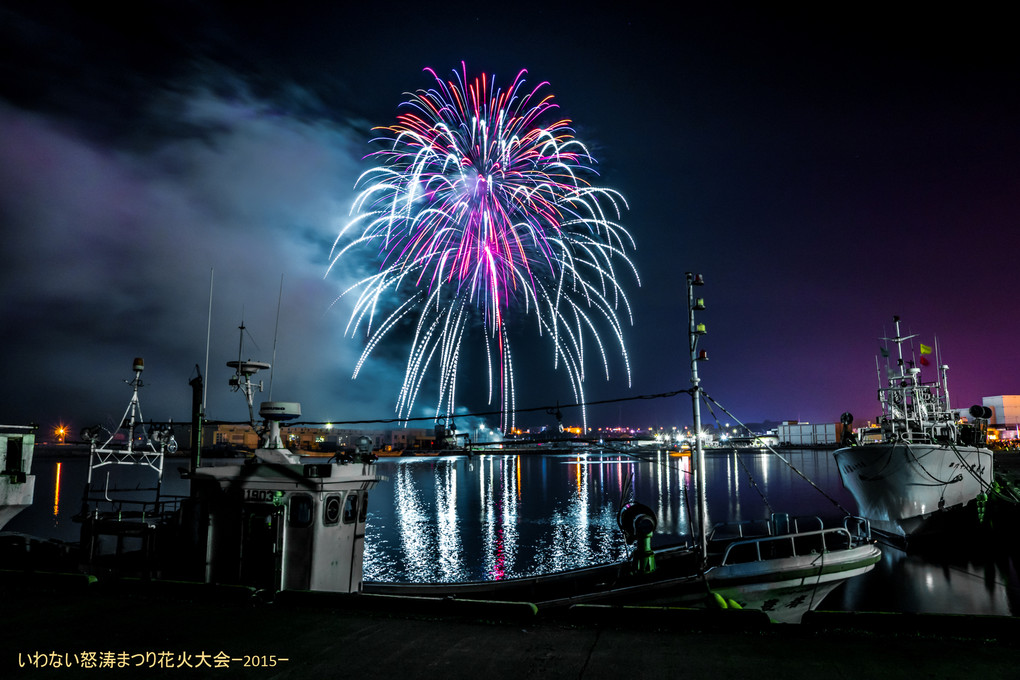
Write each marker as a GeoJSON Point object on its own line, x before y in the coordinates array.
{"type": "Point", "coordinates": [480, 208]}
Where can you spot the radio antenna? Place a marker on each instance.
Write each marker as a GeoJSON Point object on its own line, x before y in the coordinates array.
{"type": "Point", "coordinates": [276, 333]}
{"type": "Point", "coordinates": [208, 333]}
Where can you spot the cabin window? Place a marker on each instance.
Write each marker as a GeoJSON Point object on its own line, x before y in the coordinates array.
{"type": "Point", "coordinates": [301, 507]}
{"type": "Point", "coordinates": [364, 507]}
{"type": "Point", "coordinates": [351, 508]}
{"type": "Point", "coordinates": [331, 510]}
{"type": "Point", "coordinates": [13, 455]}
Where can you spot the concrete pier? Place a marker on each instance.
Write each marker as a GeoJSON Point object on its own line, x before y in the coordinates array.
{"type": "Point", "coordinates": [73, 627]}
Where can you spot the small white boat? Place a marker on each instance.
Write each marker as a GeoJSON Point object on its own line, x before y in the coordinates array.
{"type": "Point", "coordinates": [783, 567]}
{"type": "Point", "coordinates": [929, 463]}
{"type": "Point", "coordinates": [786, 567]}
{"type": "Point", "coordinates": [17, 483]}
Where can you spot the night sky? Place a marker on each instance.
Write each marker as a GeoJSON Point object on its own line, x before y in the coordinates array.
{"type": "Point", "coordinates": [823, 169]}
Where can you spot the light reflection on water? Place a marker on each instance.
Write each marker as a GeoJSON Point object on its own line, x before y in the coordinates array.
{"type": "Point", "coordinates": [976, 578]}
{"type": "Point", "coordinates": [56, 489]}
{"type": "Point", "coordinates": [511, 516]}
{"type": "Point", "coordinates": [449, 549]}
{"type": "Point", "coordinates": [501, 514]}
{"type": "Point", "coordinates": [494, 517]}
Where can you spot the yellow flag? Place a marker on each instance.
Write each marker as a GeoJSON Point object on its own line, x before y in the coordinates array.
{"type": "Point", "coordinates": [925, 349]}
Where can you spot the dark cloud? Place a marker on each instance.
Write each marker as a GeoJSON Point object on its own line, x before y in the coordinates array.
{"type": "Point", "coordinates": [111, 248]}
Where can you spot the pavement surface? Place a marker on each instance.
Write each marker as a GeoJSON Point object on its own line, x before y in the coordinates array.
{"type": "Point", "coordinates": [69, 627]}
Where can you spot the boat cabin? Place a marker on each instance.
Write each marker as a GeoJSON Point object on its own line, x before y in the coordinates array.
{"type": "Point", "coordinates": [17, 484]}
{"type": "Point", "coordinates": [281, 526]}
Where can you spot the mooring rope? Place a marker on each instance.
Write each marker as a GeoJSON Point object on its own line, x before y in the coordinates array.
{"type": "Point", "coordinates": [777, 455]}
{"type": "Point", "coordinates": [740, 459]}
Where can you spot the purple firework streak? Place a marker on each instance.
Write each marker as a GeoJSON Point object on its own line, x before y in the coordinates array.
{"type": "Point", "coordinates": [481, 205]}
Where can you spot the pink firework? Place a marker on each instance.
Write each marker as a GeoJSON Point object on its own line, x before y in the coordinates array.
{"type": "Point", "coordinates": [482, 204]}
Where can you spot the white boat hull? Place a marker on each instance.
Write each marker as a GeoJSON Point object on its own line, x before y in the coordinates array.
{"type": "Point", "coordinates": [907, 489]}
{"type": "Point", "coordinates": [17, 484]}
{"type": "Point", "coordinates": [786, 589]}
{"type": "Point", "coordinates": [15, 497]}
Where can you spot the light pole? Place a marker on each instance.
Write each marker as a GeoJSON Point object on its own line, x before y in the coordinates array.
{"type": "Point", "coordinates": [696, 330]}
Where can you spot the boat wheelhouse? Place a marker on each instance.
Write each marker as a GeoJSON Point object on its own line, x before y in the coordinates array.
{"type": "Point", "coordinates": [17, 483]}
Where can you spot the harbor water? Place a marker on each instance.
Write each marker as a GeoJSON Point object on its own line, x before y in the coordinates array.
{"type": "Point", "coordinates": [496, 516]}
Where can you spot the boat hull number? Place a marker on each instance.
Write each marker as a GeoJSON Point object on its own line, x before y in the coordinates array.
{"type": "Point", "coordinates": [263, 496]}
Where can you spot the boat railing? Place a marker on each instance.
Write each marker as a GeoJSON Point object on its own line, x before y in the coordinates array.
{"type": "Point", "coordinates": [858, 527]}
{"type": "Point", "coordinates": [815, 523]}
{"type": "Point", "coordinates": [941, 434]}
{"type": "Point", "coordinates": [778, 524]}
{"type": "Point", "coordinates": [731, 530]}
{"type": "Point", "coordinates": [125, 509]}
{"type": "Point", "coordinates": [121, 534]}
{"type": "Point", "coordinates": [788, 546]}
{"type": "Point", "coordinates": [915, 437]}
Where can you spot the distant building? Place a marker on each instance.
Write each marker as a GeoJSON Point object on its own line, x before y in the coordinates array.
{"type": "Point", "coordinates": [1005, 421]}
{"type": "Point", "coordinates": [1005, 409]}
{"type": "Point", "coordinates": [793, 433]}
{"type": "Point", "coordinates": [323, 439]}
{"type": "Point", "coordinates": [230, 436]}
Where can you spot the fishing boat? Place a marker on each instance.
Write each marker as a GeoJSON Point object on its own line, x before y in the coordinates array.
{"type": "Point", "coordinates": [271, 522]}
{"type": "Point", "coordinates": [17, 483]}
{"type": "Point", "coordinates": [781, 565]}
{"type": "Point", "coordinates": [926, 467]}
{"type": "Point", "coordinates": [275, 523]}
{"type": "Point", "coordinates": [123, 523]}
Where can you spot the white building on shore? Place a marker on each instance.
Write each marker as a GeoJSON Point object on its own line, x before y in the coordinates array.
{"type": "Point", "coordinates": [1005, 419]}
{"type": "Point", "coordinates": [793, 433]}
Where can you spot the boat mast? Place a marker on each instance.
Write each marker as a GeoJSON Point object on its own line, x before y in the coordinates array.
{"type": "Point", "coordinates": [200, 383]}
{"type": "Point", "coordinates": [101, 456]}
{"type": "Point", "coordinates": [899, 343]}
{"type": "Point", "coordinates": [241, 380]}
{"type": "Point", "coordinates": [943, 378]}
{"type": "Point", "coordinates": [695, 330]}
{"type": "Point", "coordinates": [134, 407]}
{"type": "Point", "coordinates": [944, 372]}
{"type": "Point", "coordinates": [898, 388]}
